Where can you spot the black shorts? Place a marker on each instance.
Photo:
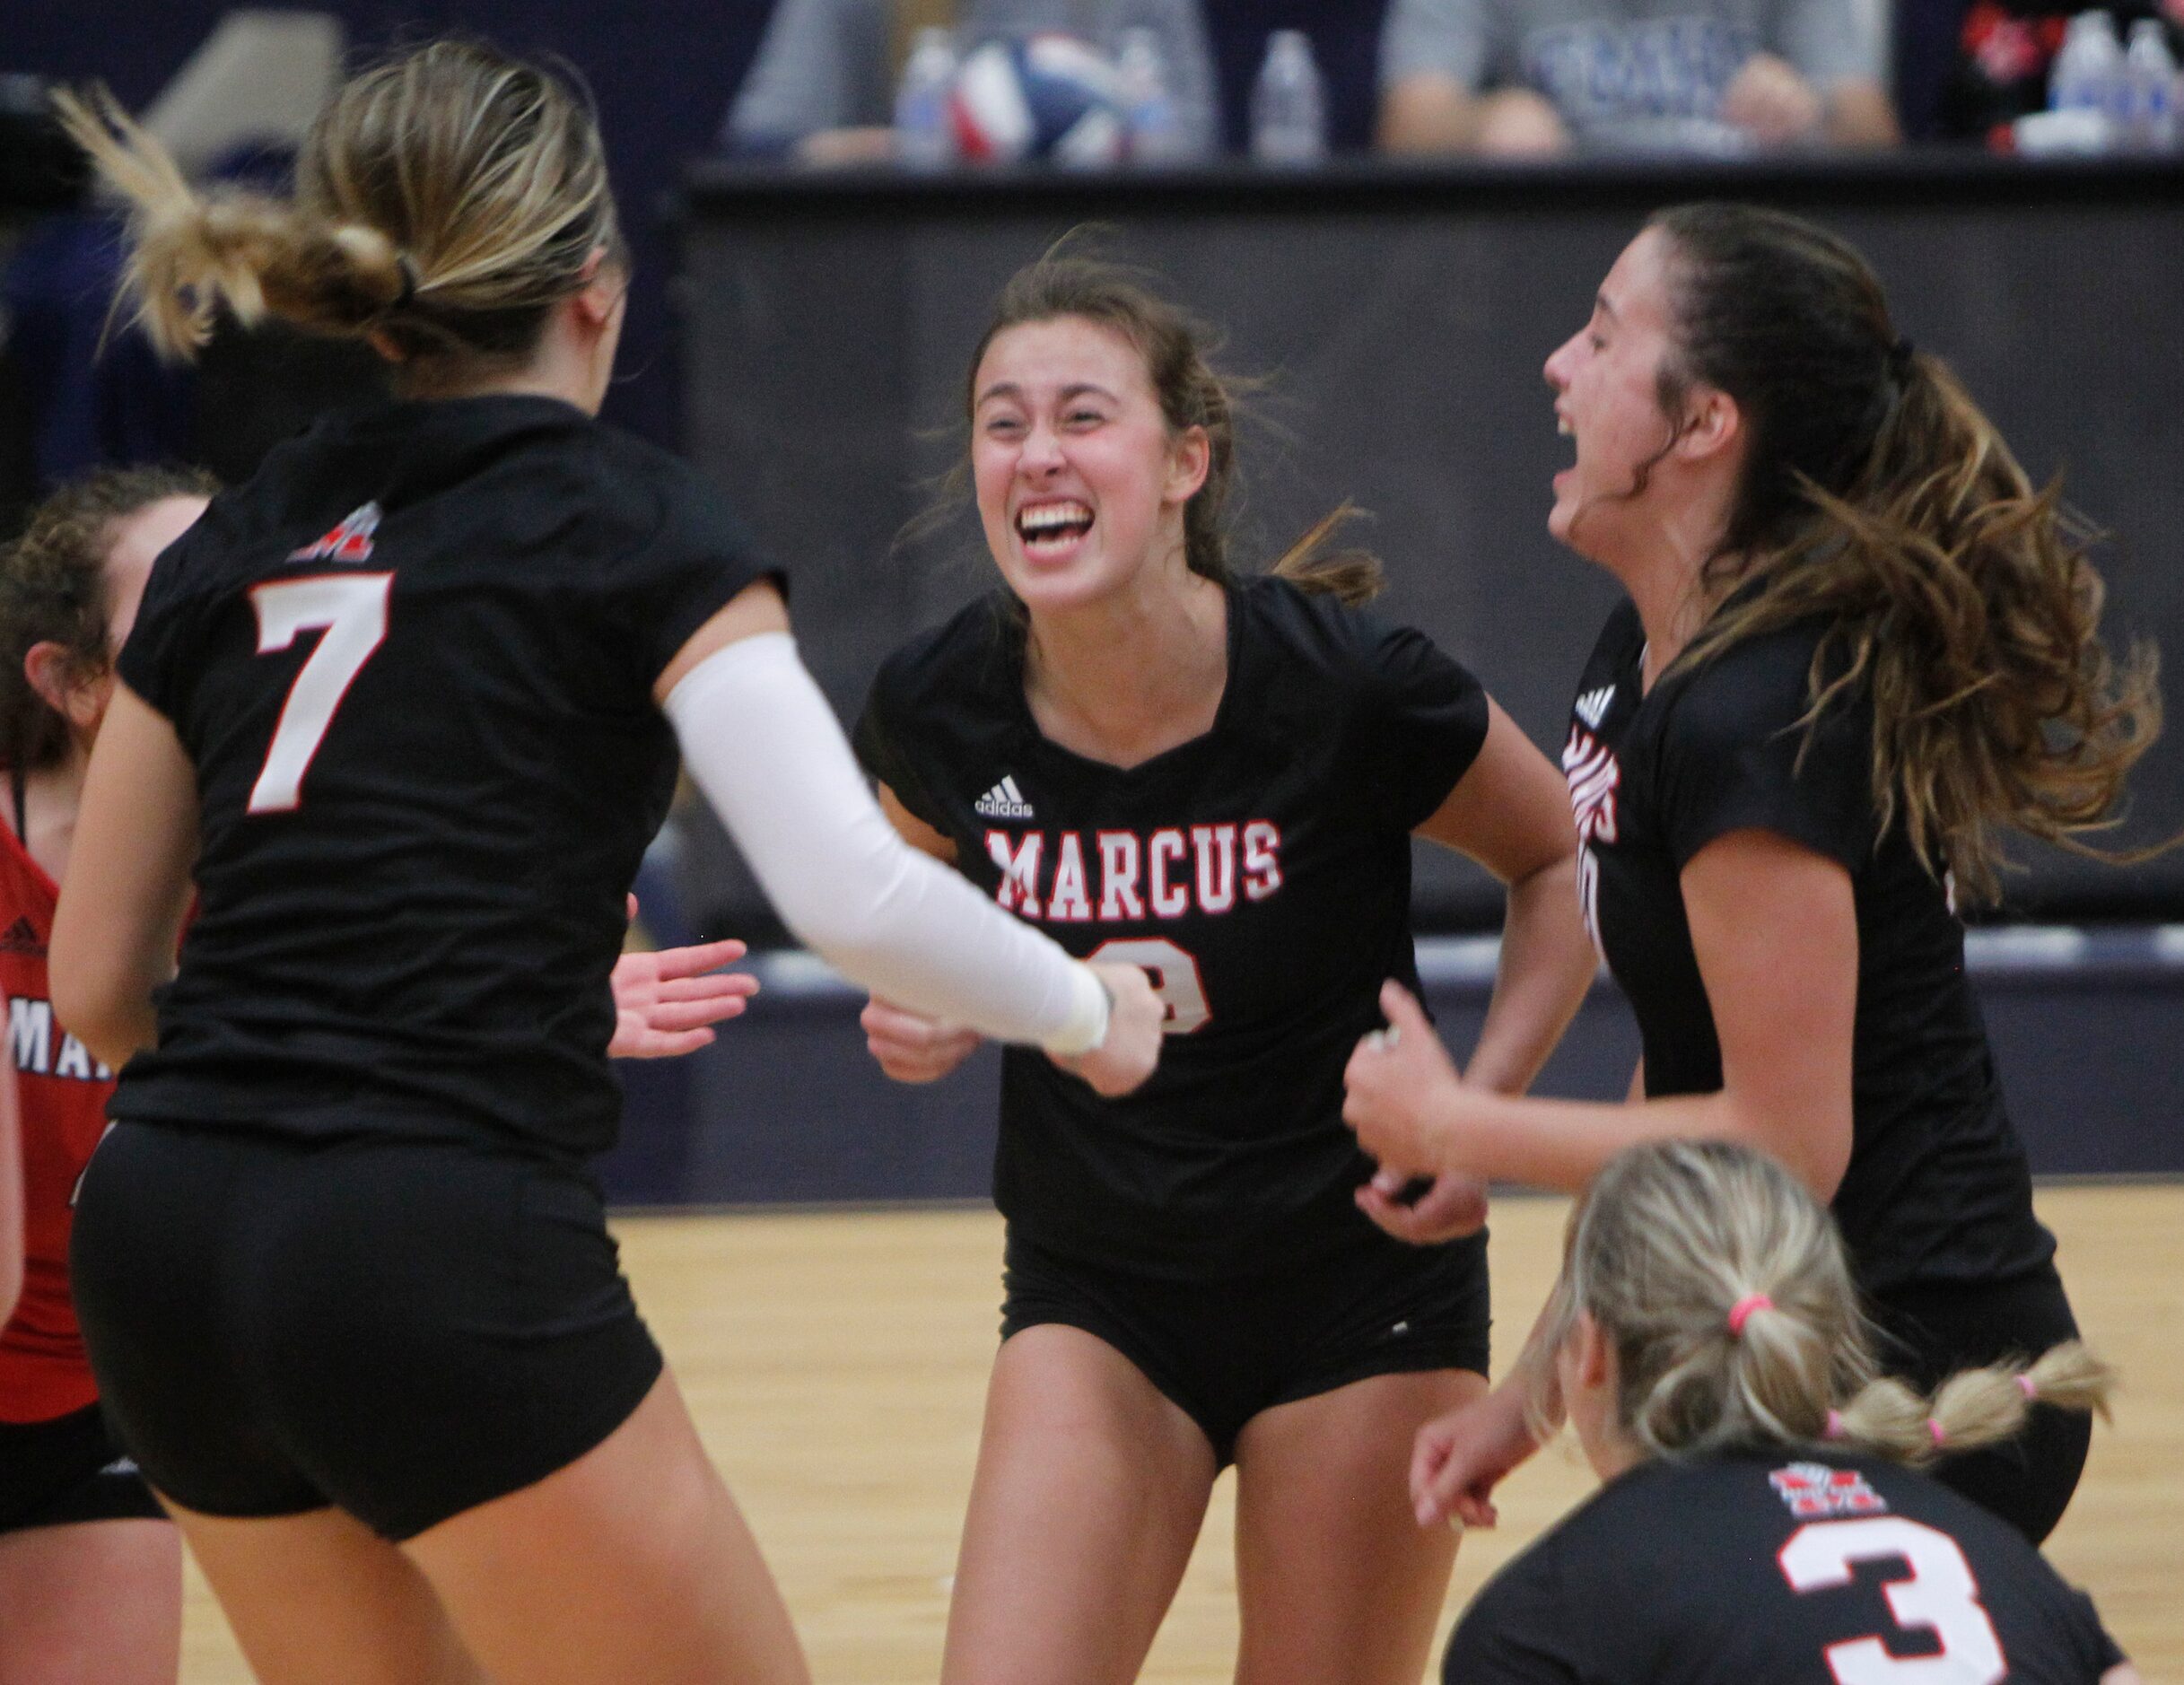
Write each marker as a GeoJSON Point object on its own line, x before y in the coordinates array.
{"type": "Point", "coordinates": [1224, 1350]}
{"type": "Point", "coordinates": [70, 1468]}
{"type": "Point", "coordinates": [402, 1330]}
{"type": "Point", "coordinates": [1929, 1333]}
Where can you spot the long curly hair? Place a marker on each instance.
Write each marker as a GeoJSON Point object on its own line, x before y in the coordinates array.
{"type": "Point", "coordinates": [1877, 497]}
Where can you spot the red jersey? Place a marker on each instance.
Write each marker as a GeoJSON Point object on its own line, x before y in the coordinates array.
{"type": "Point", "coordinates": [62, 1091]}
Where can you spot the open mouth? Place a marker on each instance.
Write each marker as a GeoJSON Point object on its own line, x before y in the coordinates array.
{"type": "Point", "coordinates": [1047, 528]}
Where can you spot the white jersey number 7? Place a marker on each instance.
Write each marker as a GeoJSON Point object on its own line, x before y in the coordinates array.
{"type": "Point", "coordinates": [350, 609]}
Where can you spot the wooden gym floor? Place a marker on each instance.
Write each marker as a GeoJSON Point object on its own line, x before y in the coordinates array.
{"type": "Point", "coordinates": [837, 1363]}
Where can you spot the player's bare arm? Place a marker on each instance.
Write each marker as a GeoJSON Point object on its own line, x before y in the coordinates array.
{"type": "Point", "coordinates": [128, 887]}
{"type": "Point", "coordinates": [1510, 812]}
{"type": "Point", "coordinates": [1785, 989]}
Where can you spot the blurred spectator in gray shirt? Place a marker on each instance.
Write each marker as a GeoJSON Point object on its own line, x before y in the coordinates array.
{"type": "Point", "coordinates": [1541, 76]}
{"type": "Point", "coordinates": [822, 87]}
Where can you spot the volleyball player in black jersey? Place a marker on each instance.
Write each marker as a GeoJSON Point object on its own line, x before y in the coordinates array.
{"type": "Point", "coordinates": [1756, 1520]}
{"type": "Point", "coordinates": [1857, 645]}
{"type": "Point", "coordinates": [1216, 778]}
{"type": "Point", "coordinates": [406, 706]}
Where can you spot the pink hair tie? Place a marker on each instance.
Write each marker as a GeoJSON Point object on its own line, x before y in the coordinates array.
{"type": "Point", "coordinates": [1941, 1433]}
{"type": "Point", "coordinates": [1835, 1425]}
{"type": "Point", "coordinates": [1740, 1311]}
{"type": "Point", "coordinates": [2025, 1385]}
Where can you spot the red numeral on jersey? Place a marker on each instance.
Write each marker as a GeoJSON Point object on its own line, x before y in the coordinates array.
{"type": "Point", "coordinates": [1940, 1595]}
{"type": "Point", "coordinates": [1174, 978]}
{"type": "Point", "coordinates": [350, 609]}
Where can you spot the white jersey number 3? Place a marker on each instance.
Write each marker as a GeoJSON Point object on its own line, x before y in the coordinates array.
{"type": "Point", "coordinates": [350, 609]}
{"type": "Point", "coordinates": [1174, 978]}
{"type": "Point", "coordinates": [1940, 1595]}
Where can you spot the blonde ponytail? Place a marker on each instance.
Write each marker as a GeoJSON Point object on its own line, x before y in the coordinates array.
{"type": "Point", "coordinates": [444, 202]}
{"type": "Point", "coordinates": [192, 252]}
{"type": "Point", "coordinates": [1722, 1286]}
{"type": "Point", "coordinates": [1973, 1407]}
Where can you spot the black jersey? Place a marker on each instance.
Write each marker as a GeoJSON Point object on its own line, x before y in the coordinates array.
{"type": "Point", "coordinates": [1780, 1567]}
{"type": "Point", "coordinates": [1260, 872]}
{"type": "Point", "coordinates": [1938, 1188]}
{"type": "Point", "coordinates": [412, 662]}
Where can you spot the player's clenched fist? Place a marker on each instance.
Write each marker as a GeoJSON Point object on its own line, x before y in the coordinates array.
{"type": "Point", "coordinates": [1398, 1081]}
{"type": "Point", "coordinates": [1130, 1048]}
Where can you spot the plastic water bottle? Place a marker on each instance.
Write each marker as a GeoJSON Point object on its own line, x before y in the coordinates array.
{"type": "Point", "coordinates": [1289, 107]}
{"type": "Point", "coordinates": [2150, 82]}
{"type": "Point", "coordinates": [2089, 74]}
{"type": "Point", "coordinates": [923, 138]}
{"type": "Point", "coordinates": [1153, 131]}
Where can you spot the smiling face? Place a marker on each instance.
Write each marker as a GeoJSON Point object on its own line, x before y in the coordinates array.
{"type": "Point", "coordinates": [1080, 483]}
{"type": "Point", "coordinates": [1606, 381]}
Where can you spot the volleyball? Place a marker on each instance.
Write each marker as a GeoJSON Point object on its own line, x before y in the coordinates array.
{"type": "Point", "coordinates": [1045, 96]}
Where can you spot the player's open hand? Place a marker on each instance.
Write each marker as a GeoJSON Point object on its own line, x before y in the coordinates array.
{"type": "Point", "coordinates": [666, 1002]}
{"type": "Point", "coordinates": [911, 1047]}
{"type": "Point", "coordinates": [1132, 1047]}
{"type": "Point", "coordinates": [1458, 1458]}
{"type": "Point", "coordinates": [1451, 1206]}
{"type": "Point", "coordinates": [1400, 1082]}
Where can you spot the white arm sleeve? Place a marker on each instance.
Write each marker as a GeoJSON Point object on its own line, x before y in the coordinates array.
{"type": "Point", "coordinates": [762, 745]}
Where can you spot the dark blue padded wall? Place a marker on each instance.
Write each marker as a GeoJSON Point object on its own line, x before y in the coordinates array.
{"type": "Point", "coordinates": [787, 1107]}
{"type": "Point", "coordinates": [1401, 318]}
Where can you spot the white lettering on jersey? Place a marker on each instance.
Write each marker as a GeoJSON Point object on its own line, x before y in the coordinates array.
{"type": "Point", "coordinates": [1166, 874]}
{"type": "Point", "coordinates": [1004, 801]}
{"type": "Point", "coordinates": [1593, 706]}
{"type": "Point", "coordinates": [1216, 845]}
{"type": "Point", "coordinates": [1594, 773]}
{"type": "Point", "coordinates": [1170, 901]}
{"type": "Point", "coordinates": [1069, 904]}
{"type": "Point", "coordinates": [74, 1061]}
{"type": "Point", "coordinates": [1019, 890]}
{"type": "Point", "coordinates": [31, 1035]}
{"type": "Point", "coordinates": [350, 611]}
{"type": "Point", "coordinates": [1261, 859]}
{"type": "Point", "coordinates": [1118, 878]}
{"type": "Point", "coordinates": [1939, 1598]}
{"type": "Point", "coordinates": [1173, 975]}
{"type": "Point", "coordinates": [29, 1030]}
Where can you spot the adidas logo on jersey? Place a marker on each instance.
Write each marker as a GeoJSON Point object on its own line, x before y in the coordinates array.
{"type": "Point", "coordinates": [351, 541]}
{"type": "Point", "coordinates": [21, 938]}
{"type": "Point", "coordinates": [1004, 801]}
{"type": "Point", "coordinates": [1593, 706]}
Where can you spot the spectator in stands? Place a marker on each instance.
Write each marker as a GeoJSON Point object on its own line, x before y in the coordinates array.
{"type": "Point", "coordinates": [822, 88]}
{"type": "Point", "coordinates": [1539, 77]}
